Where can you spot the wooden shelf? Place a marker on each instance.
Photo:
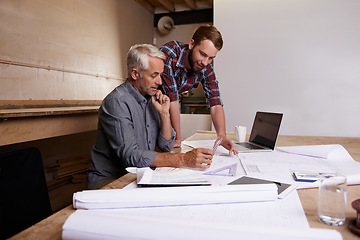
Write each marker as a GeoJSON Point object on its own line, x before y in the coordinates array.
{"type": "Point", "coordinates": [29, 120]}
{"type": "Point", "coordinates": [40, 112]}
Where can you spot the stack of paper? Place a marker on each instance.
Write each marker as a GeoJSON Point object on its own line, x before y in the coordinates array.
{"type": "Point", "coordinates": [173, 196]}
{"type": "Point", "coordinates": [172, 176]}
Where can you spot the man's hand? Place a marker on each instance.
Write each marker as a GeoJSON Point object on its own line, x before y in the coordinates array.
{"type": "Point", "coordinates": [161, 102]}
{"type": "Point", "coordinates": [198, 158]}
{"type": "Point", "coordinates": [226, 143]}
{"type": "Point", "coordinates": [177, 143]}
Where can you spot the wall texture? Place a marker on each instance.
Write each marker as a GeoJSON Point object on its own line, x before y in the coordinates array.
{"type": "Point", "coordinates": [298, 57]}
{"type": "Point", "coordinates": [67, 49]}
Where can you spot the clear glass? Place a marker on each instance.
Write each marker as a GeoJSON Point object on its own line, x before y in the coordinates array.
{"type": "Point", "coordinates": [332, 200]}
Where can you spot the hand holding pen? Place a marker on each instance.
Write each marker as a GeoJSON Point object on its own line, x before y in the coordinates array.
{"type": "Point", "coordinates": [226, 143]}
{"type": "Point", "coordinates": [217, 143]}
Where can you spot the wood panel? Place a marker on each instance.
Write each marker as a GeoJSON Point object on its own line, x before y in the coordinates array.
{"type": "Point", "coordinates": [28, 120]}
{"type": "Point", "coordinates": [16, 130]}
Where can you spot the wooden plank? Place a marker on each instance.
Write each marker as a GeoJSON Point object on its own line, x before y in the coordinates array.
{"type": "Point", "coordinates": [15, 130]}
{"type": "Point", "coordinates": [191, 4]}
{"type": "Point", "coordinates": [146, 5]}
{"type": "Point", "coordinates": [38, 112]}
{"type": "Point", "coordinates": [14, 104]}
{"type": "Point", "coordinates": [167, 5]}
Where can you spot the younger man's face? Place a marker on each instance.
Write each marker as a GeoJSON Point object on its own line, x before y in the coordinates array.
{"type": "Point", "coordinates": [201, 55]}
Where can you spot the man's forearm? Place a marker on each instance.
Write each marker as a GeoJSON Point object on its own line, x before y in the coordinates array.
{"type": "Point", "coordinates": [218, 118]}
{"type": "Point", "coordinates": [166, 128]}
{"type": "Point", "coordinates": [175, 117]}
{"type": "Point", "coordinates": [196, 158]}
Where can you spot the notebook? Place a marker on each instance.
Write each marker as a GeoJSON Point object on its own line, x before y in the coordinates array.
{"type": "Point", "coordinates": [263, 134]}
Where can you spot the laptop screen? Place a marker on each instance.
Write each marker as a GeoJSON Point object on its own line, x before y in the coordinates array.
{"type": "Point", "coordinates": [266, 128]}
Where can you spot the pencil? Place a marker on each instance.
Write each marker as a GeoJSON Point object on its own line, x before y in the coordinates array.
{"type": "Point", "coordinates": [218, 143]}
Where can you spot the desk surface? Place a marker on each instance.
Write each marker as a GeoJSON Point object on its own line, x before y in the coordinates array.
{"type": "Point", "coordinates": [51, 227]}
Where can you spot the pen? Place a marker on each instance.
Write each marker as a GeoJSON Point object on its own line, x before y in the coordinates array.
{"type": "Point", "coordinates": [218, 143]}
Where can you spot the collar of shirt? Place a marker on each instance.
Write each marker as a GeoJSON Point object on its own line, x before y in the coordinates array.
{"type": "Point", "coordinates": [140, 99]}
{"type": "Point", "coordinates": [181, 61]}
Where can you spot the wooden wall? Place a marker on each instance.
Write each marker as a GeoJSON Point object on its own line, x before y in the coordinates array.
{"type": "Point", "coordinates": [67, 49]}
{"type": "Point", "coordinates": [56, 52]}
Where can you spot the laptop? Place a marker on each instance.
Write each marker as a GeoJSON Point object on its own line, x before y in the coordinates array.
{"type": "Point", "coordinates": [263, 134]}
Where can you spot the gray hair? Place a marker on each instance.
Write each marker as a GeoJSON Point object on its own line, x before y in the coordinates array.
{"type": "Point", "coordinates": [138, 57]}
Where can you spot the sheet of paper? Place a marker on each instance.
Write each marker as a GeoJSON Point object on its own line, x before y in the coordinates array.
{"type": "Point", "coordinates": [280, 164]}
{"type": "Point", "coordinates": [207, 144]}
{"type": "Point", "coordinates": [320, 151]}
{"type": "Point", "coordinates": [221, 221]}
{"type": "Point", "coordinates": [170, 176]}
{"type": "Point", "coordinates": [216, 173]}
{"type": "Point", "coordinates": [220, 162]}
{"type": "Point", "coordinates": [284, 161]}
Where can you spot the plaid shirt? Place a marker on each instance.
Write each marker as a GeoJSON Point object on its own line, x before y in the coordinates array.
{"type": "Point", "coordinates": [176, 78]}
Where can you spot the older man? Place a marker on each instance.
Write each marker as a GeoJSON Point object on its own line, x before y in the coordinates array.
{"type": "Point", "coordinates": [133, 119]}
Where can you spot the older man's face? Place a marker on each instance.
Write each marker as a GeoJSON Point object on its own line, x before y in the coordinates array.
{"type": "Point", "coordinates": [151, 78]}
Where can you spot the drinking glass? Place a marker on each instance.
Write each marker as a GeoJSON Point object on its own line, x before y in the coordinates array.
{"type": "Point", "coordinates": [332, 200]}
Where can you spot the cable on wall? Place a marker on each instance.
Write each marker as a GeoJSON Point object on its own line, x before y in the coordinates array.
{"type": "Point", "coordinates": [3, 61]}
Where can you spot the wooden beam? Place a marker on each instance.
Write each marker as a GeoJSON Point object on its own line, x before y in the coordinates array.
{"type": "Point", "coordinates": [191, 4]}
{"type": "Point", "coordinates": [187, 17]}
{"type": "Point", "coordinates": [211, 2]}
{"type": "Point", "coordinates": [23, 129]}
{"type": "Point", "coordinates": [18, 104]}
{"type": "Point", "coordinates": [167, 5]}
{"type": "Point", "coordinates": [145, 4]}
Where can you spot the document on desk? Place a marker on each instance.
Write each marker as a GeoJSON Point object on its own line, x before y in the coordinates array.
{"type": "Point", "coordinates": [280, 220]}
{"type": "Point", "coordinates": [223, 165]}
{"type": "Point", "coordinates": [173, 196]}
{"type": "Point", "coordinates": [220, 150]}
{"type": "Point", "coordinates": [170, 176]}
{"type": "Point", "coordinates": [223, 169]}
{"type": "Point", "coordinates": [280, 164]}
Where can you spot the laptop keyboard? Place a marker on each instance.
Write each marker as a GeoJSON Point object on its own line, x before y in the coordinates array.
{"type": "Point", "coordinates": [249, 145]}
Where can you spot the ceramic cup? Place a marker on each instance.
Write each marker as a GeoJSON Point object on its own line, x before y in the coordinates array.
{"type": "Point", "coordinates": [240, 133]}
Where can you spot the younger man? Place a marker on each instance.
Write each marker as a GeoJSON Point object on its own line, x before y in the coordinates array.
{"type": "Point", "coordinates": [188, 65]}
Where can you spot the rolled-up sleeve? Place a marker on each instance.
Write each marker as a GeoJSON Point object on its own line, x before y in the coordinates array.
{"type": "Point", "coordinates": [166, 145]}
{"type": "Point", "coordinates": [211, 88]}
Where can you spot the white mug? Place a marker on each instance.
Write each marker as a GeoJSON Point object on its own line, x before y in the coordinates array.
{"type": "Point", "coordinates": [240, 133]}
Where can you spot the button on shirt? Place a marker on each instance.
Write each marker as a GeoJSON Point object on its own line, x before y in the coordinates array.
{"type": "Point", "coordinates": [177, 79]}
{"type": "Point", "coordinates": [128, 131]}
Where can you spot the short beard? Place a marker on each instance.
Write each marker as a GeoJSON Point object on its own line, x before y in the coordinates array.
{"type": "Point", "coordinates": [191, 62]}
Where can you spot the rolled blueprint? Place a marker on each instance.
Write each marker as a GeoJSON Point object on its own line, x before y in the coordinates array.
{"type": "Point", "coordinates": [173, 196]}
